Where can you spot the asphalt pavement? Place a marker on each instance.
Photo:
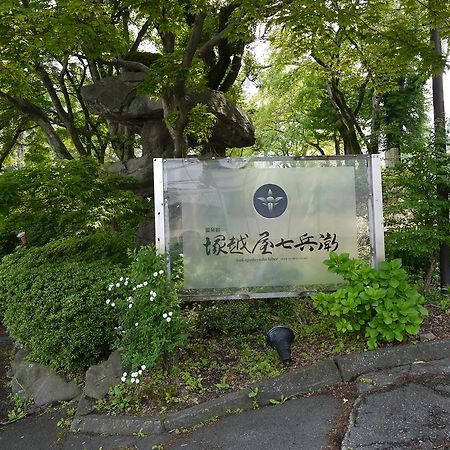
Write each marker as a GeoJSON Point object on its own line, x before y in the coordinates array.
{"type": "Point", "coordinates": [405, 406]}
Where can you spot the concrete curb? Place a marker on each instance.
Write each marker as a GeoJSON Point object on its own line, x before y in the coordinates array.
{"type": "Point", "coordinates": [321, 375]}
{"type": "Point", "coordinates": [355, 364]}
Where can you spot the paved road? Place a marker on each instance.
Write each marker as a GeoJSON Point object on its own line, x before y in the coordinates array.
{"type": "Point", "coordinates": [403, 408]}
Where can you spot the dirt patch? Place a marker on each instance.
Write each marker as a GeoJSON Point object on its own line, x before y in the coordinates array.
{"type": "Point", "coordinates": [437, 322]}
{"type": "Point", "coordinates": [346, 394]}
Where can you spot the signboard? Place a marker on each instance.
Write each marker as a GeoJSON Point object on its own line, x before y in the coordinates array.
{"type": "Point", "coordinates": [262, 224]}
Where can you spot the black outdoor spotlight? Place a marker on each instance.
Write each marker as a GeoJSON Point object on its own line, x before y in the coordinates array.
{"type": "Point", "coordinates": [280, 338]}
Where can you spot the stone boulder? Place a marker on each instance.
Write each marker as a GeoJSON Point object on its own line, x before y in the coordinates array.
{"type": "Point", "coordinates": [141, 169]}
{"type": "Point", "coordinates": [101, 377]}
{"type": "Point", "coordinates": [32, 380]}
{"type": "Point", "coordinates": [116, 99]}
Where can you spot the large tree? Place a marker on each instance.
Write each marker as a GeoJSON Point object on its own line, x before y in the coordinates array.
{"type": "Point", "coordinates": [40, 75]}
{"type": "Point", "coordinates": [292, 113]}
{"type": "Point", "coordinates": [50, 49]}
{"type": "Point", "coordinates": [361, 50]}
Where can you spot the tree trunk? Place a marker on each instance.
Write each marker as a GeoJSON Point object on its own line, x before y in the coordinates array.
{"type": "Point", "coordinates": [375, 124]}
{"type": "Point", "coordinates": [122, 140]}
{"type": "Point", "coordinates": [348, 126]}
{"type": "Point", "coordinates": [176, 117]}
{"type": "Point", "coordinates": [38, 116]}
{"type": "Point", "coordinates": [351, 144]}
{"type": "Point", "coordinates": [440, 143]}
{"type": "Point", "coordinates": [337, 144]}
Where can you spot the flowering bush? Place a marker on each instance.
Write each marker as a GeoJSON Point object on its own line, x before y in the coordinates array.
{"type": "Point", "coordinates": [151, 326]}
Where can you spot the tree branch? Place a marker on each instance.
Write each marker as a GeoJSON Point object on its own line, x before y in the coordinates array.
{"type": "Point", "coordinates": [203, 50]}
{"type": "Point", "coordinates": [233, 73]}
{"type": "Point", "coordinates": [48, 84]}
{"type": "Point", "coordinates": [318, 60]}
{"type": "Point", "coordinates": [140, 36]}
{"type": "Point", "coordinates": [361, 95]}
{"type": "Point", "coordinates": [10, 145]}
{"type": "Point", "coordinates": [316, 146]}
{"type": "Point", "coordinates": [194, 39]}
{"type": "Point", "coordinates": [37, 115]}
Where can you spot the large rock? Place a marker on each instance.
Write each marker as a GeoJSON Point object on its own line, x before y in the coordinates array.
{"type": "Point", "coordinates": [101, 377]}
{"type": "Point", "coordinates": [32, 380]}
{"type": "Point", "coordinates": [141, 169]}
{"type": "Point", "coordinates": [116, 99]}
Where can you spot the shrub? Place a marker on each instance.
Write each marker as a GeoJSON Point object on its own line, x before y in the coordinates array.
{"type": "Point", "coordinates": [147, 308]}
{"type": "Point", "coordinates": [379, 303]}
{"type": "Point", "coordinates": [82, 249]}
{"type": "Point", "coordinates": [242, 317]}
{"type": "Point", "coordinates": [416, 214]}
{"type": "Point", "coordinates": [66, 198]}
{"type": "Point", "coordinates": [58, 312]}
{"type": "Point", "coordinates": [102, 244]}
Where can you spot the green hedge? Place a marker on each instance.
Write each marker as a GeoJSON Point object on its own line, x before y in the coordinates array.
{"type": "Point", "coordinates": [102, 244]}
{"type": "Point", "coordinates": [58, 312]}
{"type": "Point", "coordinates": [53, 298]}
{"type": "Point", "coordinates": [67, 198]}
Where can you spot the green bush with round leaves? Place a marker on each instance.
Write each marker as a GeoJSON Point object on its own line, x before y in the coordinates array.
{"type": "Point", "coordinates": [381, 304]}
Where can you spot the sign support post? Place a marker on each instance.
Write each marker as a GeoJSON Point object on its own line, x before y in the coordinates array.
{"type": "Point", "coordinates": [376, 211]}
{"type": "Point", "coordinates": [160, 232]}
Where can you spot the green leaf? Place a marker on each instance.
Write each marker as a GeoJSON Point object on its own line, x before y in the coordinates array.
{"type": "Point", "coordinates": [394, 283]}
{"type": "Point", "coordinates": [412, 329]}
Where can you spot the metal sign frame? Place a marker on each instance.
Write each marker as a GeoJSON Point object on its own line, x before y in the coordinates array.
{"type": "Point", "coordinates": [375, 220]}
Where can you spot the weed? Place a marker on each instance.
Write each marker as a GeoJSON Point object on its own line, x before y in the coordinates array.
{"type": "Point", "coordinates": [120, 399]}
{"type": "Point", "coordinates": [435, 298]}
{"type": "Point", "coordinates": [65, 422]}
{"type": "Point", "coordinates": [253, 392]}
{"type": "Point", "coordinates": [279, 401]}
{"type": "Point", "coordinates": [256, 364]}
{"type": "Point", "coordinates": [223, 385]}
{"type": "Point", "coordinates": [21, 406]}
{"type": "Point", "coordinates": [193, 383]}
{"type": "Point", "coordinates": [139, 433]}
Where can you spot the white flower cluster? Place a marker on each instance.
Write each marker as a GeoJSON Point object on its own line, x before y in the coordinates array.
{"type": "Point", "coordinates": [168, 316]}
{"type": "Point", "coordinates": [119, 330]}
{"type": "Point", "coordinates": [119, 283]}
{"type": "Point", "coordinates": [130, 302]}
{"type": "Point", "coordinates": [141, 285]}
{"type": "Point", "coordinates": [161, 272]}
{"type": "Point", "coordinates": [152, 296]}
{"type": "Point", "coordinates": [110, 303]}
{"type": "Point", "coordinates": [134, 376]}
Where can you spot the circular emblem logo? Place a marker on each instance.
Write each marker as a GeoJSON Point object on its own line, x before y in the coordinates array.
{"type": "Point", "coordinates": [270, 201]}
